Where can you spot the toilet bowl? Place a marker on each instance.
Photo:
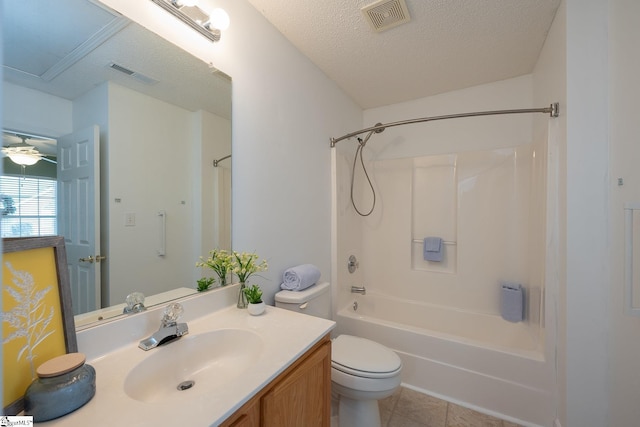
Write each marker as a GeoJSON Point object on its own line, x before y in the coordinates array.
{"type": "Point", "coordinates": [362, 371]}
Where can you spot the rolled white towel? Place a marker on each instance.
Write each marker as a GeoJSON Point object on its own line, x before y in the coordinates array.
{"type": "Point", "coordinates": [300, 277]}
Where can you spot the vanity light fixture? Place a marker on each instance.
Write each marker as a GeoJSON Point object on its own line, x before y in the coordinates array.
{"type": "Point", "coordinates": [209, 25]}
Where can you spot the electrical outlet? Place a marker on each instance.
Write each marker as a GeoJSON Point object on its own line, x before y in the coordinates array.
{"type": "Point", "coordinates": [129, 219]}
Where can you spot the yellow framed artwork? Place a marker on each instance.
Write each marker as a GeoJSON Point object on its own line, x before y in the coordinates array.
{"type": "Point", "coordinates": [37, 317]}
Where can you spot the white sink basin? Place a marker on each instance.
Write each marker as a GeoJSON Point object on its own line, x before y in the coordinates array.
{"type": "Point", "coordinates": [193, 365]}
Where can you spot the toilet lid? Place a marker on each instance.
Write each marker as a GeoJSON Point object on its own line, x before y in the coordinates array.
{"type": "Point", "coordinates": [360, 356]}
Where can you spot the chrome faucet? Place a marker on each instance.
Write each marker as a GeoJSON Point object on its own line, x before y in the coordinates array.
{"type": "Point", "coordinates": [358, 290]}
{"type": "Point", "coordinates": [169, 330]}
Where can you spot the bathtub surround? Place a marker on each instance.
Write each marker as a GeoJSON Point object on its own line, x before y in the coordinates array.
{"type": "Point", "coordinates": [481, 185]}
{"type": "Point", "coordinates": [485, 207]}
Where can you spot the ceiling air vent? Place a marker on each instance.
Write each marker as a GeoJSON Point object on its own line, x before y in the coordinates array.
{"type": "Point", "coordinates": [133, 74]}
{"type": "Point", "coordinates": [385, 14]}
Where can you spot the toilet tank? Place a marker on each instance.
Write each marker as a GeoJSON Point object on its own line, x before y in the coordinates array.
{"type": "Point", "coordinates": [315, 300]}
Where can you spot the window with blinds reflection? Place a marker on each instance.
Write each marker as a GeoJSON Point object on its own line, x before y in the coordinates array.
{"type": "Point", "coordinates": [28, 206]}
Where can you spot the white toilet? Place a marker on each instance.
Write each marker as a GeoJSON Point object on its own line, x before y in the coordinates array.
{"type": "Point", "coordinates": [362, 371]}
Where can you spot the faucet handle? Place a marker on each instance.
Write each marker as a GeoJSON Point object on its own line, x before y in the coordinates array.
{"type": "Point", "coordinates": [172, 313]}
{"type": "Point", "coordinates": [135, 303]}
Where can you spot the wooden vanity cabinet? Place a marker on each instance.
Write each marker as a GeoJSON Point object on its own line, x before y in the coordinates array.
{"type": "Point", "coordinates": [300, 396]}
{"type": "Point", "coordinates": [247, 416]}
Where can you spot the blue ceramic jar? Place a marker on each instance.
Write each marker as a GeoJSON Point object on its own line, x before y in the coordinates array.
{"type": "Point", "coordinates": [64, 384]}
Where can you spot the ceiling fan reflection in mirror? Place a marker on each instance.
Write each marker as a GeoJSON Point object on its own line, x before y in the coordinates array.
{"type": "Point", "coordinates": [15, 147]}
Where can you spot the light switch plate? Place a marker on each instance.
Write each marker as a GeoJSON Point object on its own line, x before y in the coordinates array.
{"type": "Point", "coordinates": [129, 219]}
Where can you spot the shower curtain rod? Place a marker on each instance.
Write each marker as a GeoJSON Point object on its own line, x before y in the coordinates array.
{"type": "Point", "coordinates": [215, 162]}
{"type": "Point", "coordinates": [552, 110]}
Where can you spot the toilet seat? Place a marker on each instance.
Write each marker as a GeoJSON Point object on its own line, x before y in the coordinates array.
{"type": "Point", "coordinates": [363, 358]}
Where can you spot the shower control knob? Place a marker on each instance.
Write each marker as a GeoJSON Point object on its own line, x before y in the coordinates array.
{"type": "Point", "coordinates": [352, 264]}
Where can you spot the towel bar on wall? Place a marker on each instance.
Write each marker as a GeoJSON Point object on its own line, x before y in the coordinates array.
{"type": "Point", "coordinates": [446, 242]}
{"type": "Point", "coordinates": [162, 244]}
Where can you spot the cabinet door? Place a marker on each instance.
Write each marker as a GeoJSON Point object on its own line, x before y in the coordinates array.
{"type": "Point", "coordinates": [303, 397]}
{"type": "Point", "coordinates": [247, 416]}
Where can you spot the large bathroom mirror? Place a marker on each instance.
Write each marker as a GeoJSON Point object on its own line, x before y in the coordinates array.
{"type": "Point", "coordinates": [78, 75]}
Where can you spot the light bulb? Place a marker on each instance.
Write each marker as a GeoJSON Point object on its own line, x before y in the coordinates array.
{"type": "Point", "coordinates": [189, 3]}
{"type": "Point", "coordinates": [219, 19]}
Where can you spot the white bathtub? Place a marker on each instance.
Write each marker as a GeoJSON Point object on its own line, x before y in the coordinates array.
{"type": "Point", "coordinates": [478, 360]}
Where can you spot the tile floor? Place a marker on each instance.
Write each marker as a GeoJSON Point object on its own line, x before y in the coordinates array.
{"type": "Point", "coordinates": [409, 408]}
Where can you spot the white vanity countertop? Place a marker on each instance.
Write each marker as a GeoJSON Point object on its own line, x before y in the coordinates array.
{"type": "Point", "coordinates": [285, 335]}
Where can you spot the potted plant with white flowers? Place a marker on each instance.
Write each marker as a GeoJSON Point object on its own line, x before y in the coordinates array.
{"type": "Point", "coordinates": [220, 261]}
{"type": "Point", "coordinates": [245, 264]}
{"type": "Point", "coordinates": [254, 296]}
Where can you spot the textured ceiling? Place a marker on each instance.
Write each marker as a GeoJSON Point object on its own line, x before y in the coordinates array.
{"type": "Point", "coordinates": [447, 45]}
{"type": "Point", "coordinates": [46, 54]}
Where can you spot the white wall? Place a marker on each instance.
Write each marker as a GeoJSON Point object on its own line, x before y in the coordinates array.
{"type": "Point", "coordinates": [284, 112]}
{"type": "Point", "coordinates": [624, 151]}
{"type": "Point", "coordinates": [598, 352]}
{"type": "Point", "coordinates": [213, 185]}
{"type": "Point", "coordinates": [549, 84]}
{"type": "Point", "coordinates": [588, 219]}
{"type": "Point", "coordinates": [144, 151]}
{"type": "Point", "coordinates": [92, 108]}
{"type": "Point", "coordinates": [35, 112]}
{"type": "Point", "coordinates": [447, 136]}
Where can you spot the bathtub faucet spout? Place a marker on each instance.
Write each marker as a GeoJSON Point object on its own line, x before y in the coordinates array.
{"type": "Point", "coordinates": [358, 290]}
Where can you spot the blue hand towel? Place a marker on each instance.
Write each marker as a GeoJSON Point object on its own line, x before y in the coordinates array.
{"type": "Point", "coordinates": [433, 249]}
{"type": "Point", "coordinates": [300, 277]}
{"type": "Point", "coordinates": [512, 302]}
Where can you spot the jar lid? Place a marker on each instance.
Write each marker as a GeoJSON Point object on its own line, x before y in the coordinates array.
{"type": "Point", "coordinates": [60, 365]}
